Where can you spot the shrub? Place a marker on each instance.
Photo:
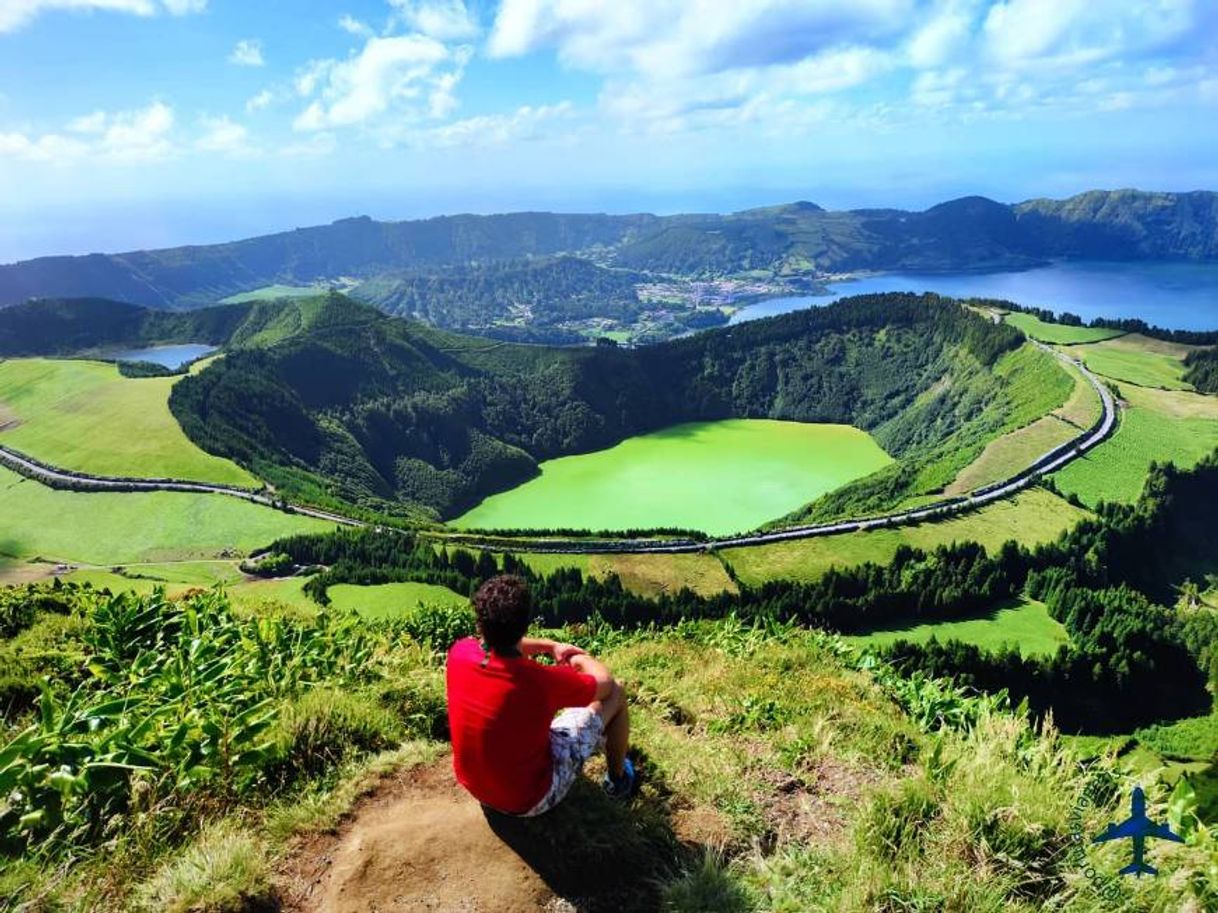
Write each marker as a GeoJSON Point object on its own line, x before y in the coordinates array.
{"type": "Point", "coordinates": [439, 626]}
{"type": "Point", "coordinates": [708, 886]}
{"type": "Point", "coordinates": [419, 702]}
{"type": "Point", "coordinates": [325, 726]}
{"type": "Point", "coordinates": [223, 871]}
{"type": "Point", "coordinates": [895, 820]}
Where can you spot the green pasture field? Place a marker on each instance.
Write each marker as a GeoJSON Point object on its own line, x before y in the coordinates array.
{"type": "Point", "coordinates": [644, 574]}
{"type": "Point", "coordinates": [654, 575]}
{"type": "Point", "coordinates": [1083, 408]}
{"type": "Point", "coordinates": [1139, 360]}
{"type": "Point", "coordinates": [1024, 623]}
{"type": "Point", "coordinates": [392, 600]}
{"type": "Point", "coordinates": [85, 416]}
{"type": "Point", "coordinates": [1145, 369]}
{"type": "Point", "coordinates": [1031, 517]}
{"type": "Point", "coordinates": [1007, 455]}
{"type": "Point", "coordinates": [104, 528]}
{"type": "Point", "coordinates": [275, 292]}
{"type": "Point", "coordinates": [1057, 333]}
{"type": "Point", "coordinates": [1154, 426]}
{"type": "Point", "coordinates": [719, 477]}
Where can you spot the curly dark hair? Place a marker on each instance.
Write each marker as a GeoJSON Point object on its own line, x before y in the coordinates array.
{"type": "Point", "coordinates": [503, 607]}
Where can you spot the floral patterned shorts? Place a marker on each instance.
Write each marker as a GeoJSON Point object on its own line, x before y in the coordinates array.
{"type": "Point", "coordinates": [575, 735]}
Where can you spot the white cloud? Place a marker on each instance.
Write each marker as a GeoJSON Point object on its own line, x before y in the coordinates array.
{"type": "Point", "coordinates": [684, 37]}
{"type": "Point", "coordinates": [492, 129]}
{"type": "Point", "coordinates": [247, 53]}
{"type": "Point", "coordinates": [410, 76]}
{"type": "Point", "coordinates": [16, 13]}
{"type": "Point", "coordinates": [260, 101]}
{"type": "Point", "coordinates": [353, 26]}
{"type": "Point", "coordinates": [943, 34]}
{"type": "Point", "coordinates": [444, 20]}
{"type": "Point", "coordinates": [1066, 32]}
{"type": "Point", "coordinates": [223, 135]}
{"type": "Point", "coordinates": [140, 135]}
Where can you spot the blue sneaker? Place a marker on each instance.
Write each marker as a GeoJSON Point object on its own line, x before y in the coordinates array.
{"type": "Point", "coordinates": [621, 788]}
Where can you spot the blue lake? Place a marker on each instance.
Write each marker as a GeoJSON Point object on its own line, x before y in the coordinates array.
{"type": "Point", "coordinates": [171, 357]}
{"type": "Point", "coordinates": [1181, 296]}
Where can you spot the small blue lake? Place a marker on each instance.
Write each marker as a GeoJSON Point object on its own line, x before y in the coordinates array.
{"type": "Point", "coordinates": [1180, 296]}
{"type": "Point", "coordinates": [171, 357]}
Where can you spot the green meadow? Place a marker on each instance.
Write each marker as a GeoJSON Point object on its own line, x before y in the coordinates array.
{"type": "Point", "coordinates": [274, 293]}
{"type": "Point", "coordinates": [1154, 426]}
{"type": "Point", "coordinates": [1146, 369]}
{"type": "Point", "coordinates": [105, 528]}
{"type": "Point", "coordinates": [1057, 333]}
{"type": "Point", "coordinates": [84, 415]}
{"type": "Point", "coordinates": [392, 600]}
{"type": "Point", "coordinates": [1031, 517]}
{"type": "Point", "coordinates": [718, 477]}
{"type": "Point", "coordinates": [1024, 624]}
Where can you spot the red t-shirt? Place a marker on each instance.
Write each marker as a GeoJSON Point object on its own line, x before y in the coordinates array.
{"type": "Point", "coordinates": [499, 716]}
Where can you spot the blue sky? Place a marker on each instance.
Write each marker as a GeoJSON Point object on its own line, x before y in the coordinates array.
{"type": "Point", "coordinates": [137, 123]}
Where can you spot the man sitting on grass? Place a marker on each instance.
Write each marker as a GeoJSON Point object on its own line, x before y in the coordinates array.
{"type": "Point", "coordinates": [509, 749]}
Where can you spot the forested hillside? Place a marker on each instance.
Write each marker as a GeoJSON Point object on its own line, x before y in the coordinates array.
{"type": "Point", "coordinates": [546, 291]}
{"type": "Point", "coordinates": [799, 238]}
{"type": "Point", "coordinates": [381, 411]}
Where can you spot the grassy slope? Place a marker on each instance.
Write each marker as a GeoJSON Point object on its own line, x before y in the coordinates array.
{"type": "Point", "coordinates": [1138, 360]}
{"type": "Point", "coordinates": [1034, 384]}
{"type": "Point", "coordinates": [392, 600]}
{"type": "Point", "coordinates": [756, 470]}
{"type": "Point", "coordinates": [795, 775]}
{"type": "Point", "coordinates": [1005, 456]}
{"type": "Point", "coordinates": [86, 416]}
{"type": "Point", "coordinates": [273, 293]}
{"type": "Point", "coordinates": [1057, 333]}
{"type": "Point", "coordinates": [1025, 624]}
{"type": "Point", "coordinates": [105, 528]}
{"type": "Point", "coordinates": [651, 575]}
{"type": "Point", "coordinates": [1030, 517]}
{"type": "Point", "coordinates": [1154, 425]}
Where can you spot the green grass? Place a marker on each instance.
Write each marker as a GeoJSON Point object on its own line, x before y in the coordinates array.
{"type": "Point", "coordinates": [392, 600]}
{"type": "Point", "coordinates": [1025, 624]}
{"type": "Point", "coordinates": [254, 595]}
{"type": "Point", "coordinates": [719, 477]}
{"type": "Point", "coordinates": [1030, 517]}
{"type": "Point", "coordinates": [1013, 452]}
{"type": "Point", "coordinates": [1151, 429]}
{"type": "Point", "coordinates": [106, 528]}
{"type": "Point", "coordinates": [85, 416]}
{"type": "Point", "coordinates": [1146, 369]}
{"type": "Point", "coordinates": [1057, 333]}
{"type": "Point", "coordinates": [275, 292]}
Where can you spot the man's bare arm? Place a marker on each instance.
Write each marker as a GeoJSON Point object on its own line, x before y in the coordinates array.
{"type": "Point", "coordinates": [605, 682]}
{"type": "Point", "coordinates": [541, 646]}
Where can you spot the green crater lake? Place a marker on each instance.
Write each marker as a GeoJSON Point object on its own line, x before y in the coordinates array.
{"type": "Point", "coordinates": [718, 477]}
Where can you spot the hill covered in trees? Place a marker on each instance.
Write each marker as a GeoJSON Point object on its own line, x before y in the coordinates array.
{"type": "Point", "coordinates": [382, 412]}
{"type": "Point", "coordinates": [795, 239]}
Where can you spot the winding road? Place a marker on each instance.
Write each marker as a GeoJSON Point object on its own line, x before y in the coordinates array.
{"type": "Point", "coordinates": [1055, 459]}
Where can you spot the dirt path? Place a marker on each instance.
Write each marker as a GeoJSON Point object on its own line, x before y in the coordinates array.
{"type": "Point", "coordinates": [420, 843]}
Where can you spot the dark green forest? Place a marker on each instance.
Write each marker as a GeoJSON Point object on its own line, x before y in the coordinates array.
{"type": "Point", "coordinates": [383, 412]}
{"type": "Point", "coordinates": [547, 290]}
{"type": "Point", "coordinates": [1201, 370]}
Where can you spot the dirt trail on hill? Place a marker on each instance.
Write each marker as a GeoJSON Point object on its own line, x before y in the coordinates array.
{"type": "Point", "coordinates": [420, 843]}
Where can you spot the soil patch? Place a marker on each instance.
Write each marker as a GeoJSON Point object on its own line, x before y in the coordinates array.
{"type": "Point", "coordinates": [420, 843]}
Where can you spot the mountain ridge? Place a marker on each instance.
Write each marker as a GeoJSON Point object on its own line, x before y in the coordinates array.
{"type": "Point", "coordinates": [797, 238]}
